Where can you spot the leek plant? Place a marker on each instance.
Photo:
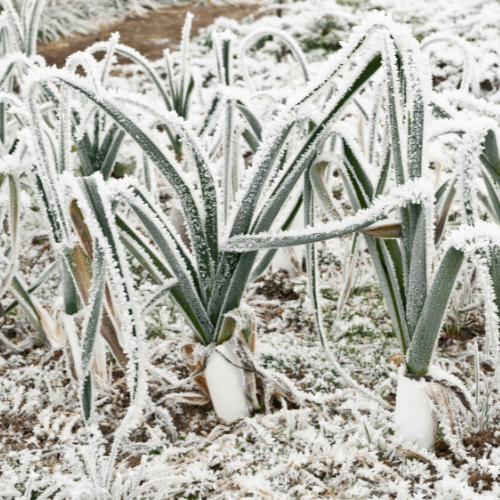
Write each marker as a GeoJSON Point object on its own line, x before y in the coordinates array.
{"type": "Point", "coordinates": [417, 292]}
{"type": "Point", "coordinates": [19, 31]}
{"type": "Point", "coordinates": [207, 280]}
{"type": "Point", "coordinates": [236, 220]}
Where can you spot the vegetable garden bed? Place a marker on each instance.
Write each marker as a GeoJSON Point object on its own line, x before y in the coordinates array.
{"type": "Point", "coordinates": [300, 209]}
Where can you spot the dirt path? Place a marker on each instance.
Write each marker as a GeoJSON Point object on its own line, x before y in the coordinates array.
{"type": "Point", "coordinates": [149, 34]}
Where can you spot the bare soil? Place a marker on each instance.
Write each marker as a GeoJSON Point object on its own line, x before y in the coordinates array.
{"type": "Point", "coordinates": [149, 34]}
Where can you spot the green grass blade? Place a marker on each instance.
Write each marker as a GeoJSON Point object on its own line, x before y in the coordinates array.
{"type": "Point", "coordinates": [14, 24]}
{"type": "Point", "coordinates": [440, 192]}
{"type": "Point", "coordinates": [25, 300]}
{"type": "Point", "coordinates": [390, 278]}
{"type": "Point", "coordinates": [153, 219]}
{"type": "Point", "coordinates": [494, 272]}
{"type": "Point", "coordinates": [486, 202]}
{"type": "Point", "coordinates": [228, 145]}
{"type": "Point", "coordinates": [416, 135]}
{"type": "Point", "coordinates": [106, 143]}
{"type": "Point", "coordinates": [251, 140]}
{"type": "Point", "coordinates": [373, 122]}
{"type": "Point", "coordinates": [384, 172]}
{"type": "Point", "coordinates": [212, 113]}
{"type": "Point", "coordinates": [445, 210]}
{"type": "Point", "coordinates": [2, 123]}
{"type": "Point", "coordinates": [138, 239]}
{"type": "Point", "coordinates": [32, 31]}
{"type": "Point", "coordinates": [357, 175]}
{"type": "Point", "coordinates": [71, 296]}
{"type": "Point", "coordinates": [491, 153]}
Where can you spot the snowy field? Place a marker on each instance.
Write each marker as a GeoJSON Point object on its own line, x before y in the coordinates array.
{"type": "Point", "coordinates": [119, 398]}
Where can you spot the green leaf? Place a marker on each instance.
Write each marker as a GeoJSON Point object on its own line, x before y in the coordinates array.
{"type": "Point", "coordinates": [262, 264]}
{"type": "Point", "coordinates": [431, 318]}
{"type": "Point", "coordinates": [491, 154]}
{"type": "Point", "coordinates": [177, 259]}
{"type": "Point", "coordinates": [316, 177]}
{"type": "Point", "coordinates": [91, 327]}
{"type": "Point", "coordinates": [416, 291]}
{"type": "Point", "coordinates": [363, 219]}
{"type": "Point", "coordinates": [494, 272]}
{"type": "Point", "coordinates": [109, 160]}
{"type": "Point", "coordinates": [387, 259]}
{"type": "Point", "coordinates": [251, 119]}
{"type": "Point", "coordinates": [382, 180]}
{"type": "Point", "coordinates": [163, 292]}
{"type": "Point", "coordinates": [357, 176]}
{"type": "Point", "coordinates": [445, 210]}
{"type": "Point", "coordinates": [251, 140]}
{"type": "Point", "coordinates": [493, 197]}
{"type": "Point", "coordinates": [304, 156]}
{"type": "Point", "coordinates": [43, 277]}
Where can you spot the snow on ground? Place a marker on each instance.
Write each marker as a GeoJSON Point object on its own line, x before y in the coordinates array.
{"type": "Point", "coordinates": [338, 444]}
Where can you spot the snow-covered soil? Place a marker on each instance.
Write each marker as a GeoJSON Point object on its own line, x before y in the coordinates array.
{"type": "Point", "coordinates": [330, 442]}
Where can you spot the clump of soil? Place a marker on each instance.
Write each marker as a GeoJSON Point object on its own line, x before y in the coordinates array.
{"type": "Point", "coordinates": [276, 286]}
{"type": "Point", "coordinates": [480, 444]}
{"type": "Point", "coordinates": [460, 333]}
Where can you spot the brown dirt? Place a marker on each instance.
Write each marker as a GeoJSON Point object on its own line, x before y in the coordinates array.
{"type": "Point", "coordinates": [148, 34]}
{"type": "Point", "coordinates": [466, 331]}
{"type": "Point", "coordinates": [276, 286]}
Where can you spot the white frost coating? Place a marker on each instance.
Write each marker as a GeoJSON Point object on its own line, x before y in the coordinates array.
{"type": "Point", "coordinates": [468, 101]}
{"type": "Point", "coordinates": [89, 64]}
{"type": "Point", "coordinates": [258, 34]}
{"type": "Point", "coordinates": [413, 419]}
{"type": "Point", "coordinates": [108, 61]}
{"type": "Point", "coordinates": [469, 152]}
{"type": "Point", "coordinates": [186, 30]}
{"type": "Point", "coordinates": [416, 191]}
{"type": "Point", "coordinates": [469, 74]}
{"type": "Point", "coordinates": [471, 239]}
{"type": "Point", "coordinates": [226, 384]}
{"type": "Point", "coordinates": [475, 242]}
{"type": "Point", "coordinates": [17, 105]}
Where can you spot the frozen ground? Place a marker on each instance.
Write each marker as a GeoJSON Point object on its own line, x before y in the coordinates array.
{"type": "Point", "coordinates": [337, 444]}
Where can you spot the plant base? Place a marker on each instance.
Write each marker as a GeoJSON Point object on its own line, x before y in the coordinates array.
{"type": "Point", "coordinates": [413, 419]}
{"type": "Point", "coordinates": [226, 384]}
